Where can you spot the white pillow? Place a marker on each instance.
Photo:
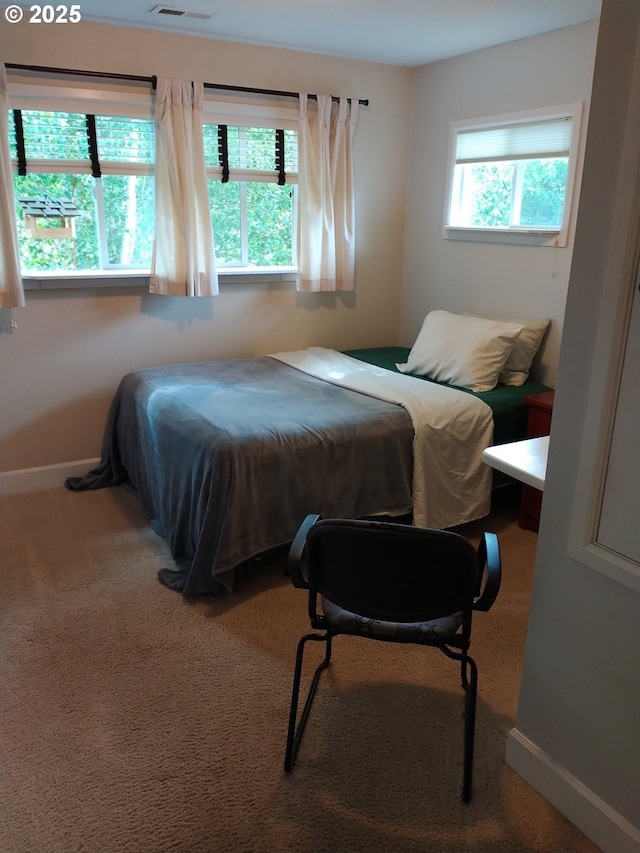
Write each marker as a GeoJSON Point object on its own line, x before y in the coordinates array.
{"type": "Point", "coordinates": [462, 350]}
{"type": "Point", "coordinates": [517, 366]}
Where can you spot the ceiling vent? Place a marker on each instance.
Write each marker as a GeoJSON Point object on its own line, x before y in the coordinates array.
{"type": "Point", "coordinates": [172, 12]}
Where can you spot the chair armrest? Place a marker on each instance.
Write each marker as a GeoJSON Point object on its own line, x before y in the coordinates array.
{"type": "Point", "coordinates": [296, 553]}
{"type": "Point", "coordinates": [489, 565]}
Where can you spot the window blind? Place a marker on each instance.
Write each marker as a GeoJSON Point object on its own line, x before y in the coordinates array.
{"type": "Point", "coordinates": [42, 135]}
{"type": "Point", "coordinates": [251, 148]}
{"type": "Point", "coordinates": [54, 136]}
{"type": "Point", "coordinates": [540, 139]}
{"type": "Point", "coordinates": [126, 140]}
{"type": "Point", "coordinates": [39, 135]}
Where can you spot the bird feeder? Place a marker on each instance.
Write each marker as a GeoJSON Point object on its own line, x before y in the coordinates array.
{"type": "Point", "coordinates": [47, 218]}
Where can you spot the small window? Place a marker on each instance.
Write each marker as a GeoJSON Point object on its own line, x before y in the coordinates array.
{"type": "Point", "coordinates": [513, 177]}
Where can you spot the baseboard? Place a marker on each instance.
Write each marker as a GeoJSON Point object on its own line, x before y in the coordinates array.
{"type": "Point", "coordinates": [597, 820]}
{"type": "Point", "coordinates": [43, 477]}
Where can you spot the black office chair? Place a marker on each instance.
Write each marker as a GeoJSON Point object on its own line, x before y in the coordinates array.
{"type": "Point", "coordinates": [395, 583]}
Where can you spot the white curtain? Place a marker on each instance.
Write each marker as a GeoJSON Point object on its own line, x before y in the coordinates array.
{"type": "Point", "coordinates": [11, 291]}
{"type": "Point", "coordinates": [326, 211]}
{"type": "Point", "coordinates": [183, 262]}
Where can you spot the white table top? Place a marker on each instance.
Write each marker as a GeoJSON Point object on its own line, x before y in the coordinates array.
{"type": "Point", "coordinates": [524, 460]}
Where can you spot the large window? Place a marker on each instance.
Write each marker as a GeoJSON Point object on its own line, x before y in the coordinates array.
{"type": "Point", "coordinates": [514, 176]}
{"type": "Point", "coordinates": [69, 219]}
{"type": "Point", "coordinates": [252, 202]}
{"type": "Point", "coordinates": [84, 192]}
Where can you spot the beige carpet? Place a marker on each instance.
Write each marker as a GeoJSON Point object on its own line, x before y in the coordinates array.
{"type": "Point", "coordinates": [134, 721]}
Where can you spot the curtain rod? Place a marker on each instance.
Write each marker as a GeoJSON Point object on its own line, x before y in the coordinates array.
{"type": "Point", "coordinates": [152, 80]}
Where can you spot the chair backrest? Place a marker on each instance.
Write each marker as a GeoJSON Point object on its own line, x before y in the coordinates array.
{"type": "Point", "coordinates": [392, 572]}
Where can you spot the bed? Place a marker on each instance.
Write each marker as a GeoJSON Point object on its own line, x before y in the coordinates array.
{"type": "Point", "coordinates": [227, 457]}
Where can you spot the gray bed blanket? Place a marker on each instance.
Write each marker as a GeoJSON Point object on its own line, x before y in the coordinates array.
{"type": "Point", "coordinates": [228, 457]}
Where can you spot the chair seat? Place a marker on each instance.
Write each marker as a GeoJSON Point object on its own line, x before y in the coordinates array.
{"type": "Point", "coordinates": [437, 629]}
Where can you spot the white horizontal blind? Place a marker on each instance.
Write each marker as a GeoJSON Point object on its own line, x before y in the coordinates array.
{"type": "Point", "coordinates": [251, 148]}
{"type": "Point", "coordinates": [125, 140]}
{"type": "Point", "coordinates": [53, 136]}
{"type": "Point", "coordinates": [63, 136]}
{"type": "Point", "coordinates": [538, 139]}
{"type": "Point", "coordinates": [136, 102]}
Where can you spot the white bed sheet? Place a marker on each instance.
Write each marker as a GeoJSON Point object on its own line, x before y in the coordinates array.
{"type": "Point", "coordinates": [451, 483]}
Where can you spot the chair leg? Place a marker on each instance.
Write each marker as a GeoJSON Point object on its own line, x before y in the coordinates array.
{"type": "Point", "coordinates": [294, 736]}
{"type": "Point", "coordinates": [470, 685]}
{"type": "Point", "coordinates": [463, 673]}
{"type": "Point", "coordinates": [471, 691]}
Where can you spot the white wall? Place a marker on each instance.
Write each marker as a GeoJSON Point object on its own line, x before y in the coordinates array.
{"type": "Point", "coordinates": [60, 366]}
{"type": "Point", "coordinates": [513, 281]}
{"type": "Point", "coordinates": [577, 736]}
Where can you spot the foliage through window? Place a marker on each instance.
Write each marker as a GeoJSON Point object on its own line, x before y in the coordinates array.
{"type": "Point", "coordinates": [112, 195]}
{"type": "Point", "coordinates": [253, 216]}
{"type": "Point", "coordinates": [513, 176]}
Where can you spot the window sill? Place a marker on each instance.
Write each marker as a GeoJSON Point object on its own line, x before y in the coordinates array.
{"type": "Point", "coordinates": [90, 279]}
{"type": "Point", "coordinates": [519, 237]}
